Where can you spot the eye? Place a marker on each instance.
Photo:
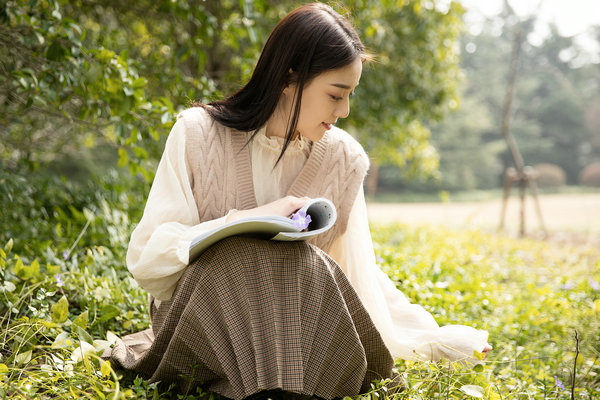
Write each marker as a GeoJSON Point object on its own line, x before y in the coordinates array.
{"type": "Point", "coordinates": [336, 98]}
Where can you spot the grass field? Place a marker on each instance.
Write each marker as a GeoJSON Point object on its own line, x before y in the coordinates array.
{"type": "Point", "coordinates": [567, 217]}
{"type": "Point", "coordinates": [64, 299]}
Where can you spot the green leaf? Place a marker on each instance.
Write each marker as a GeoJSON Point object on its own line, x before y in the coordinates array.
{"type": "Point", "coordinates": [60, 310]}
{"type": "Point", "coordinates": [101, 395]}
{"type": "Point", "coordinates": [113, 86]}
{"type": "Point", "coordinates": [81, 320]}
{"type": "Point", "coordinates": [8, 286]}
{"type": "Point", "coordinates": [52, 269]}
{"type": "Point", "coordinates": [139, 83]}
{"type": "Point", "coordinates": [104, 369]}
{"type": "Point", "coordinates": [472, 390]}
{"type": "Point", "coordinates": [478, 355]}
{"type": "Point", "coordinates": [8, 246]}
{"type": "Point", "coordinates": [140, 152]}
{"type": "Point", "coordinates": [20, 270]}
{"type": "Point", "coordinates": [108, 312]}
{"type": "Point", "coordinates": [94, 73]}
{"type": "Point", "coordinates": [34, 268]}
{"type": "Point", "coordinates": [84, 336]}
{"type": "Point", "coordinates": [55, 52]}
{"type": "Point", "coordinates": [123, 157]}
{"type": "Point", "coordinates": [63, 340]}
{"type": "Point", "coordinates": [23, 358]}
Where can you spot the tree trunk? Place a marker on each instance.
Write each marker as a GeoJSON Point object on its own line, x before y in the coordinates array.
{"type": "Point", "coordinates": [372, 178]}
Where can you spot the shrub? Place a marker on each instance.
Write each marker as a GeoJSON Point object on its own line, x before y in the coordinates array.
{"type": "Point", "coordinates": [550, 175]}
{"type": "Point", "coordinates": [41, 211]}
{"type": "Point", "coordinates": [590, 176]}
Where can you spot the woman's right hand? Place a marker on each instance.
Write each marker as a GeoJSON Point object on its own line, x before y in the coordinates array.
{"type": "Point", "coordinates": [284, 207]}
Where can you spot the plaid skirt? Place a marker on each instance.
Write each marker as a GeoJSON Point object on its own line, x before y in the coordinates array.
{"type": "Point", "coordinates": [251, 315]}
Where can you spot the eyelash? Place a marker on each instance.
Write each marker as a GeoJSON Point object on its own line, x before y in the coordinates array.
{"type": "Point", "coordinates": [339, 98]}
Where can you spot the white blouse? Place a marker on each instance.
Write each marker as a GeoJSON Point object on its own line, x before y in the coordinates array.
{"type": "Point", "coordinates": [158, 251]}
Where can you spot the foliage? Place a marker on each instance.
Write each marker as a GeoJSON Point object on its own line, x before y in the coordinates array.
{"type": "Point", "coordinates": [555, 106]}
{"type": "Point", "coordinates": [76, 74]}
{"type": "Point", "coordinates": [59, 310]}
{"type": "Point", "coordinates": [41, 212]}
{"type": "Point", "coordinates": [79, 73]}
{"type": "Point", "coordinates": [411, 83]}
{"type": "Point", "coordinates": [59, 91]}
{"type": "Point", "coordinates": [531, 295]}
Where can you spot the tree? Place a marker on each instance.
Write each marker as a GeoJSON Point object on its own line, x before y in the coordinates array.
{"type": "Point", "coordinates": [54, 88]}
{"type": "Point", "coordinates": [78, 73]}
{"type": "Point", "coordinates": [552, 118]}
{"type": "Point", "coordinates": [412, 82]}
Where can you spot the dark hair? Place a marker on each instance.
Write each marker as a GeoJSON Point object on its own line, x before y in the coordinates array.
{"type": "Point", "coordinates": [308, 41]}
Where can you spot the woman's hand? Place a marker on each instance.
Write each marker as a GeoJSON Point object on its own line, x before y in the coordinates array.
{"type": "Point", "coordinates": [284, 207]}
{"type": "Point", "coordinates": [486, 350]}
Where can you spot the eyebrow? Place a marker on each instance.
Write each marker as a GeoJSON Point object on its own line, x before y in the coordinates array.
{"type": "Point", "coordinates": [341, 85]}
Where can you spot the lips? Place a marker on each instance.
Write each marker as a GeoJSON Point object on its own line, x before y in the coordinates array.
{"type": "Point", "coordinates": [327, 126]}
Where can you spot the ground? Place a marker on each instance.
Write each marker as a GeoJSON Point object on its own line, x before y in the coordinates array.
{"type": "Point", "coordinates": [566, 216]}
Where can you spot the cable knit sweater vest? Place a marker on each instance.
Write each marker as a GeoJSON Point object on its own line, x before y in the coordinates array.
{"type": "Point", "coordinates": [220, 169]}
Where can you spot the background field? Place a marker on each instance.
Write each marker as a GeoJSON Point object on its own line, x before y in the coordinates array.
{"type": "Point", "coordinates": [567, 217]}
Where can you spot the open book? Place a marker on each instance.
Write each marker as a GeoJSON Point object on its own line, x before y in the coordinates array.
{"type": "Point", "coordinates": [322, 213]}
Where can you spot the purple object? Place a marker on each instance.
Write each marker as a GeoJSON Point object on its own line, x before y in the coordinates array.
{"type": "Point", "coordinates": [558, 383]}
{"type": "Point", "coordinates": [301, 219]}
{"type": "Point", "coordinates": [59, 281]}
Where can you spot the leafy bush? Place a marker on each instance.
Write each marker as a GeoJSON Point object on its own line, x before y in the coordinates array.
{"type": "Point", "coordinates": [590, 176]}
{"type": "Point", "coordinates": [64, 283]}
{"type": "Point", "coordinates": [40, 212]}
{"type": "Point", "coordinates": [550, 175]}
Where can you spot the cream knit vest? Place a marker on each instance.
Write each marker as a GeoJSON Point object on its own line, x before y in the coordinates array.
{"type": "Point", "coordinates": [219, 165]}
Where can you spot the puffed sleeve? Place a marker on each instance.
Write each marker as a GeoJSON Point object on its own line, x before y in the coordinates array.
{"type": "Point", "coordinates": [158, 250]}
{"type": "Point", "coordinates": [408, 330]}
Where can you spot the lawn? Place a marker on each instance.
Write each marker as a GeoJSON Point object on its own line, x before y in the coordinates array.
{"type": "Point", "coordinates": [66, 292]}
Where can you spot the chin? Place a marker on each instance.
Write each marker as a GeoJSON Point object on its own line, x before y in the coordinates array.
{"type": "Point", "coordinates": [314, 136]}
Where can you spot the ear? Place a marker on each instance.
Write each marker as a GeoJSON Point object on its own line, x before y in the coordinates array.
{"type": "Point", "coordinates": [292, 77]}
{"type": "Point", "coordinates": [291, 85]}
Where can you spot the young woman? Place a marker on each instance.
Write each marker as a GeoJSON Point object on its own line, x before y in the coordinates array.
{"type": "Point", "coordinates": [315, 319]}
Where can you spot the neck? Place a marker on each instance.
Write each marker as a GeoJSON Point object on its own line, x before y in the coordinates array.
{"type": "Point", "coordinates": [277, 124]}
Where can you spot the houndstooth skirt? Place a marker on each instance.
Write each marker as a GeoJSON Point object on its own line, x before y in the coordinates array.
{"type": "Point", "coordinates": [251, 315]}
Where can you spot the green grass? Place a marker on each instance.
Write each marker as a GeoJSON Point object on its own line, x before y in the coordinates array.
{"type": "Point", "coordinates": [62, 296]}
{"type": "Point", "coordinates": [531, 296]}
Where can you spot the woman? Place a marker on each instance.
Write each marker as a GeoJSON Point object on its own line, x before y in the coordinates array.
{"type": "Point", "coordinates": [251, 315]}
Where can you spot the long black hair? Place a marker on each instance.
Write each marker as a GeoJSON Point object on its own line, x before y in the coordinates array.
{"type": "Point", "coordinates": [308, 41]}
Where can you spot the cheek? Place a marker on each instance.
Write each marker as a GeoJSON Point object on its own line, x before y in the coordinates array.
{"type": "Point", "coordinates": [312, 109]}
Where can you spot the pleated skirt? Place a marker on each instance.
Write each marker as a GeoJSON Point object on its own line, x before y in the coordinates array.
{"type": "Point", "coordinates": [251, 315]}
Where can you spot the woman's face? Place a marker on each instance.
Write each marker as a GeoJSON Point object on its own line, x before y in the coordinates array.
{"type": "Point", "coordinates": [326, 98]}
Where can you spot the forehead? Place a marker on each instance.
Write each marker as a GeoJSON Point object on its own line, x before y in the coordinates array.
{"type": "Point", "coordinates": [346, 77]}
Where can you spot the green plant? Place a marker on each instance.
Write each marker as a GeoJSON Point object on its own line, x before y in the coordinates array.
{"type": "Point", "coordinates": [65, 297]}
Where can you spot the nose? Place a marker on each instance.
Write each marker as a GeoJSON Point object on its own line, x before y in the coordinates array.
{"type": "Point", "coordinates": [343, 108]}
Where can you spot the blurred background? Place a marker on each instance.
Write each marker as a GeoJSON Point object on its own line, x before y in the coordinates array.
{"type": "Point", "coordinates": [89, 91]}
